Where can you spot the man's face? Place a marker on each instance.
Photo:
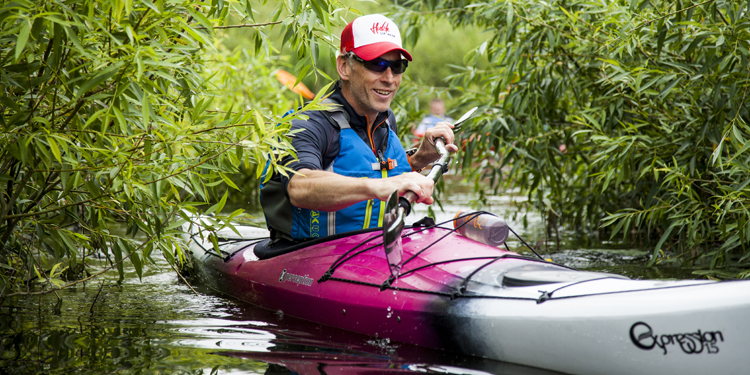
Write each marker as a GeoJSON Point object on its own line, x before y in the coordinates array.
{"type": "Point", "coordinates": [372, 92]}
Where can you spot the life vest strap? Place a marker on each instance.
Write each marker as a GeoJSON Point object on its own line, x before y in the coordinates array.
{"type": "Point", "coordinates": [387, 165]}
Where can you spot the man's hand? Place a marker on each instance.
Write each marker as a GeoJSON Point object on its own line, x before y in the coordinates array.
{"type": "Point", "coordinates": [412, 181]}
{"type": "Point", "coordinates": [427, 153]}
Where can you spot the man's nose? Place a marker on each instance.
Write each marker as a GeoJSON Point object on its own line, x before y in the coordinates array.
{"type": "Point", "coordinates": [388, 75]}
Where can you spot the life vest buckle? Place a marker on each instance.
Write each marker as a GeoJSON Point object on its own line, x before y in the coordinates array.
{"type": "Point", "coordinates": [386, 165]}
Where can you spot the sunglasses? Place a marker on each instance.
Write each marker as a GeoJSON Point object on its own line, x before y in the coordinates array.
{"type": "Point", "coordinates": [380, 65]}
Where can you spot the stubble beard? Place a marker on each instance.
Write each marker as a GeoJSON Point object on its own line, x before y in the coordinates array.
{"type": "Point", "coordinates": [369, 101]}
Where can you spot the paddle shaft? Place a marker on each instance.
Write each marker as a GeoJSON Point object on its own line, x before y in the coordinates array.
{"type": "Point", "coordinates": [438, 168]}
{"type": "Point", "coordinates": [435, 173]}
{"type": "Point", "coordinates": [393, 219]}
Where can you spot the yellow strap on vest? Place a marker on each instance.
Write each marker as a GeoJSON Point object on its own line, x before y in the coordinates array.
{"type": "Point", "coordinates": [382, 204]}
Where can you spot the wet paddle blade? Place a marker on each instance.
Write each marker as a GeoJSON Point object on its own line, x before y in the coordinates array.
{"type": "Point", "coordinates": [393, 225]}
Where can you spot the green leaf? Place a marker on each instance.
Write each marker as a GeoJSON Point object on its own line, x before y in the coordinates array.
{"type": "Point", "coordinates": [38, 274]}
{"type": "Point", "coordinates": [667, 90]}
{"type": "Point", "coordinates": [120, 119]}
{"type": "Point", "coordinates": [617, 228]}
{"type": "Point", "coordinates": [41, 120]}
{"type": "Point", "coordinates": [663, 238]}
{"type": "Point", "coordinates": [223, 201]}
{"type": "Point", "coordinates": [23, 37]}
{"type": "Point", "coordinates": [249, 10]}
{"type": "Point", "coordinates": [96, 80]}
{"type": "Point", "coordinates": [215, 243]}
{"type": "Point", "coordinates": [117, 248]}
{"type": "Point", "coordinates": [145, 110]}
{"type": "Point", "coordinates": [259, 123]}
{"type": "Point", "coordinates": [53, 271]}
{"type": "Point", "coordinates": [151, 5]}
{"type": "Point", "coordinates": [738, 135]}
{"type": "Point", "coordinates": [55, 150]}
{"type": "Point", "coordinates": [201, 19]}
{"type": "Point", "coordinates": [716, 155]}
{"type": "Point", "coordinates": [509, 14]}
{"type": "Point", "coordinates": [229, 182]}
{"type": "Point", "coordinates": [95, 116]}
{"type": "Point", "coordinates": [168, 254]}
{"type": "Point", "coordinates": [137, 264]}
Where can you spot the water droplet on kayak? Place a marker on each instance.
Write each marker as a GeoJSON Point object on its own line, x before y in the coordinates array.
{"type": "Point", "coordinates": [389, 308]}
{"type": "Point", "coordinates": [344, 311]}
{"type": "Point", "coordinates": [390, 314]}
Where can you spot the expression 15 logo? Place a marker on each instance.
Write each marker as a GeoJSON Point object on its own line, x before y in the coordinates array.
{"type": "Point", "coordinates": [691, 343]}
{"type": "Point", "coordinates": [297, 279]}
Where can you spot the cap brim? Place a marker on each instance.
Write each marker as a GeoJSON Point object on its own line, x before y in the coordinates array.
{"type": "Point", "coordinates": [375, 50]}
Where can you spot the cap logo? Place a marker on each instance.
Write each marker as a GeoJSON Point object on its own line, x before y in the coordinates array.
{"type": "Point", "coordinates": [372, 36]}
{"type": "Point", "coordinates": [381, 29]}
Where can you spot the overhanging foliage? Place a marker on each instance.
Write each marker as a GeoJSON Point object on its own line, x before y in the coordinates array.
{"type": "Point", "coordinates": [109, 116]}
{"type": "Point", "coordinates": [630, 115]}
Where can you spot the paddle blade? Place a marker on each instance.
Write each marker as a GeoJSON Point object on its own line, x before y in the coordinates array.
{"type": "Point", "coordinates": [466, 116]}
{"type": "Point", "coordinates": [393, 225]}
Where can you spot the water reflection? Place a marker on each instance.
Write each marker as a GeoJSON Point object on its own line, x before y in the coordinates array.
{"type": "Point", "coordinates": [157, 325]}
{"type": "Point", "coordinates": [301, 347]}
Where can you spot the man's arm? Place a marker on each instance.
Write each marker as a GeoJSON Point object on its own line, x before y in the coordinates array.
{"type": "Point", "coordinates": [327, 191]}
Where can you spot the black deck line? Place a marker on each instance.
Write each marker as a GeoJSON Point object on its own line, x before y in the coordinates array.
{"type": "Point", "coordinates": [418, 229]}
{"type": "Point", "coordinates": [480, 296]}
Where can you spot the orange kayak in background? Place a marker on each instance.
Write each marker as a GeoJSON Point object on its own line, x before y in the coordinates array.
{"type": "Point", "coordinates": [287, 79]}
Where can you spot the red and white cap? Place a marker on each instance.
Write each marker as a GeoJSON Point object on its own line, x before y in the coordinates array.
{"type": "Point", "coordinates": [372, 36]}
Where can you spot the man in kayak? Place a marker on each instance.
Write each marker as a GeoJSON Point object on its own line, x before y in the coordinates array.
{"type": "Point", "coordinates": [349, 158]}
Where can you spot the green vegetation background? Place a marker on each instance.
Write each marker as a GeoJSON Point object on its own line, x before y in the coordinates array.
{"type": "Point", "coordinates": [624, 118]}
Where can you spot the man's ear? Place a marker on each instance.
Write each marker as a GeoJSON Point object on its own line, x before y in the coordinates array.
{"type": "Point", "coordinates": [343, 67]}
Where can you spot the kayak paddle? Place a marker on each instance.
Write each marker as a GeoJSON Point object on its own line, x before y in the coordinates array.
{"type": "Point", "coordinates": [393, 224]}
{"type": "Point", "coordinates": [397, 208]}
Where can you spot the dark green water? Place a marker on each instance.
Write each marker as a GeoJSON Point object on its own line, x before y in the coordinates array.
{"type": "Point", "coordinates": [158, 325]}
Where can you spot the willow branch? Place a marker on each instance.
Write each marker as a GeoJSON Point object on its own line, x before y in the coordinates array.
{"type": "Point", "coordinates": [648, 22]}
{"type": "Point", "coordinates": [107, 269]}
{"type": "Point", "coordinates": [244, 25]}
{"type": "Point", "coordinates": [37, 213]}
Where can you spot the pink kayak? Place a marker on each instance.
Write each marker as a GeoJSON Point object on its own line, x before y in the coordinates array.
{"type": "Point", "coordinates": [458, 294]}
